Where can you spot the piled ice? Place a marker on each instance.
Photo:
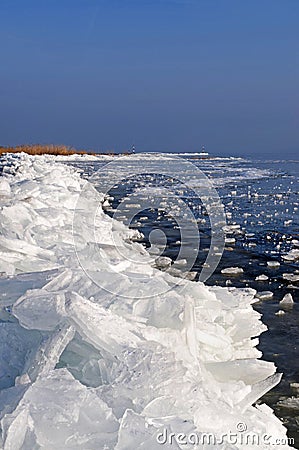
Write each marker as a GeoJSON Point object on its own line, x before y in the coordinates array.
{"type": "Point", "coordinates": [110, 365]}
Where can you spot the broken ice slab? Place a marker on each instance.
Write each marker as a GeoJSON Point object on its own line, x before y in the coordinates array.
{"type": "Point", "coordinates": [22, 246]}
{"type": "Point", "coordinates": [250, 371]}
{"type": "Point", "coordinates": [258, 390]}
{"type": "Point", "coordinates": [13, 287]}
{"type": "Point", "coordinates": [101, 327]}
{"type": "Point", "coordinates": [45, 357]}
{"type": "Point", "coordinates": [39, 309]}
{"type": "Point", "coordinates": [59, 412]}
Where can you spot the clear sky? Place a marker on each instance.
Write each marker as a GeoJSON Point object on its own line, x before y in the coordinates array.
{"type": "Point", "coordinates": [165, 75]}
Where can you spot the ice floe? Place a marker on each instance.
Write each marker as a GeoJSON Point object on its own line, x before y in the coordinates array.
{"type": "Point", "coordinates": [273, 264]}
{"type": "Point", "coordinates": [262, 277]}
{"type": "Point", "coordinates": [264, 295]}
{"type": "Point", "coordinates": [232, 271]}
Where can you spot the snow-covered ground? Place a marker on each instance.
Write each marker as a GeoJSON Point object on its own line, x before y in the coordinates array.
{"type": "Point", "coordinates": [102, 362]}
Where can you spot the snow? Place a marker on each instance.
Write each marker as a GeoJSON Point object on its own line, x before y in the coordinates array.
{"type": "Point", "coordinates": [108, 351]}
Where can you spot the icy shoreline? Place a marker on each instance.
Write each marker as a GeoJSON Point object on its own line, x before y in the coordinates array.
{"type": "Point", "coordinates": [91, 369]}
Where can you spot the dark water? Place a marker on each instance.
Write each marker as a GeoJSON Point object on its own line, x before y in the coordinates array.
{"type": "Point", "coordinates": [263, 199]}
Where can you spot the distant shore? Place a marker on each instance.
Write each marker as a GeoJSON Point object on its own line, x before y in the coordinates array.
{"type": "Point", "coordinates": [39, 149]}
{"type": "Point", "coordinates": [64, 150]}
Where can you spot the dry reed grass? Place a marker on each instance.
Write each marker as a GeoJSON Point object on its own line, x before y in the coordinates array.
{"type": "Point", "coordinates": [38, 149]}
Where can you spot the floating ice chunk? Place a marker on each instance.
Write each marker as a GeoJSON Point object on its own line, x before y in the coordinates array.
{"type": "Point", "coordinates": [262, 277]}
{"type": "Point", "coordinates": [264, 295]}
{"type": "Point", "coordinates": [295, 387]}
{"type": "Point", "coordinates": [287, 301]}
{"type": "Point", "coordinates": [180, 262]}
{"type": "Point", "coordinates": [292, 286]}
{"type": "Point", "coordinates": [163, 262]}
{"type": "Point", "coordinates": [292, 277]}
{"type": "Point", "coordinates": [230, 240]}
{"type": "Point", "coordinates": [290, 403]}
{"type": "Point", "coordinates": [287, 222]}
{"type": "Point", "coordinates": [280, 313]}
{"type": "Point", "coordinates": [231, 229]}
{"type": "Point", "coordinates": [232, 271]}
{"type": "Point", "coordinates": [273, 264]}
{"type": "Point", "coordinates": [293, 255]}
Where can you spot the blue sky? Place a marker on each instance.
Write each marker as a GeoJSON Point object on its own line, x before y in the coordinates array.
{"type": "Point", "coordinates": [165, 75]}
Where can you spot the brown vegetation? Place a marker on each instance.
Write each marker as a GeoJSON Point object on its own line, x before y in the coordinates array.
{"type": "Point", "coordinates": [38, 149]}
